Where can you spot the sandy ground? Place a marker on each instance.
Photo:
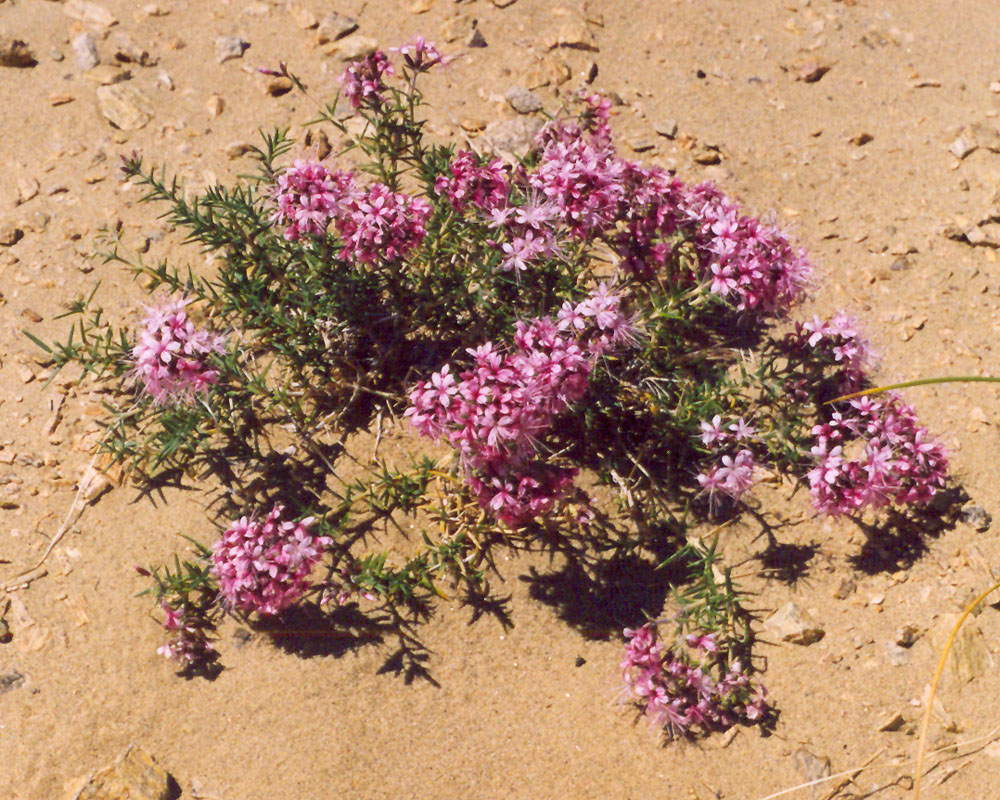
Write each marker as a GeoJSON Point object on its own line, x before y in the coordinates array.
{"type": "Point", "coordinates": [856, 163]}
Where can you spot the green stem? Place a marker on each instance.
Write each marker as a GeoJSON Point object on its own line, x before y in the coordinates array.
{"type": "Point", "coordinates": [919, 382]}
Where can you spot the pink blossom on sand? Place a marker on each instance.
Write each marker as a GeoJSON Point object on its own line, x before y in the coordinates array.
{"type": "Point", "coordinates": [895, 459]}
{"type": "Point", "coordinates": [683, 691]}
{"type": "Point", "coordinates": [171, 357]}
{"type": "Point", "coordinates": [263, 566]}
{"type": "Point", "coordinates": [495, 413]}
{"type": "Point", "coordinates": [188, 643]}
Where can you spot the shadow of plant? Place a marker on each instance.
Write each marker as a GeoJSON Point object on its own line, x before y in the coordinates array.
{"type": "Point", "coordinates": [308, 632]}
{"type": "Point", "coordinates": [600, 594]}
{"type": "Point", "coordinates": [898, 541]}
{"type": "Point", "coordinates": [787, 562]}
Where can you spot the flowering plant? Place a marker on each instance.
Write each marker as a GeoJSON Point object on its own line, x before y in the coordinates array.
{"type": "Point", "coordinates": [689, 687]}
{"type": "Point", "coordinates": [567, 323]}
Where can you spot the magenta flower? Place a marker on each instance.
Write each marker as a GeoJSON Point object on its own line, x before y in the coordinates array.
{"type": "Point", "coordinates": [419, 54]}
{"type": "Point", "coordinates": [733, 474]}
{"type": "Point", "coordinates": [308, 197]}
{"type": "Point", "coordinates": [683, 692]}
{"type": "Point", "coordinates": [381, 225]}
{"type": "Point", "coordinates": [583, 181]}
{"type": "Point", "coordinates": [363, 81]}
{"type": "Point", "coordinates": [897, 460]}
{"type": "Point", "coordinates": [484, 186]}
{"type": "Point", "coordinates": [264, 566]}
{"type": "Point", "coordinates": [189, 643]}
{"type": "Point", "coordinates": [741, 258]}
{"type": "Point", "coordinates": [496, 412]}
{"type": "Point", "coordinates": [171, 355]}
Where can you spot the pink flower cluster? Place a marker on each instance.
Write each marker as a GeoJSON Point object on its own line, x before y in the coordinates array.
{"type": "Point", "coordinates": [496, 412]}
{"type": "Point", "coordinates": [363, 82]}
{"type": "Point", "coordinates": [264, 566]}
{"type": "Point", "coordinates": [835, 342]}
{"type": "Point", "coordinates": [733, 475]}
{"type": "Point", "coordinates": [188, 644]}
{"type": "Point", "coordinates": [375, 223]}
{"type": "Point", "coordinates": [529, 227]}
{"type": "Point", "coordinates": [380, 224]}
{"type": "Point", "coordinates": [171, 356]}
{"type": "Point", "coordinates": [743, 257]}
{"type": "Point", "coordinates": [895, 458]}
{"type": "Point", "coordinates": [419, 54]}
{"type": "Point", "coordinates": [584, 180]}
{"type": "Point", "coordinates": [651, 218]}
{"type": "Point", "coordinates": [484, 186]}
{"type": "Point", "coordinates": [677, 690]}
{"type": "Point", "coordinates": [641, 210]}
{"type": "Point", "coordinates": [308, 197]}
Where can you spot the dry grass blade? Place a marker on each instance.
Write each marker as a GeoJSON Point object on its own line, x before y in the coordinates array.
{"type": "Point", "coordinates": [934, 683]}
{"type": "Point", "coordinates": [853, 772]}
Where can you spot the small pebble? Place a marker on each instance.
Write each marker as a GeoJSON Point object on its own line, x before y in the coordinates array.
{"type": "Point", "coordinates": [977, 516]}
{"type": "Point", "coordinates": [15, 53]}
{"type": "Point", "coordinates": [641, 145]}
{"type": "Point", "coordinates": [892, 723]}
{"type": "Point", "coordinates": [10, 234]}
{"type": "Point", "coordinates": [522, 100]}
{"type": "Point", "coordinates": [11, 680]}
{"type": "Point", "coordinates": [335, 26]}
{"type": "Point", "coordinates": [215, 106]}
{"type": "Point", "coordinates": [276, 87]}
{"type": "Point", "coordinates": [351, 48]}
{"type": "Point", "coordinates": [898, 656]}
{"type": "Point", "coordinates": [303, 17]}
{"type": "Point", "coordinates": [229, 47]}
{"type": "Point", "coordinates": [961, 147]}
{"type": "Point", "coordinates": [845, 589]}
{"type": "Point", "coordinates": [85, 52]}
{"type": "Point", "coordinates": [238, 149]}
{"type": "Point", "coordinates": [907, 635]}
{"type": "Point", "coordinates": [666, 127]}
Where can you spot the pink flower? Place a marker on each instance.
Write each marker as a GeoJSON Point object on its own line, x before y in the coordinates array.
{"type": "Point", "coordinates": [171, 356]}
{"type": "Point", "coordinates": [173, 619]}
{"type": "Point", "coordinates": [484, 186]}
{"type": "Point", "coordinates": [380, 224]}
{"type": "Point", "coordinates": [682, 692]}
{"type": "Point", "coordinates": [741, 430]}
{"type": "Point", "coordinates": [419, 54]}
{"type": "Point", "coordinates": [498, 410]}
{"type": "Point", "coordinates": [264, 566]}
{"type": "Point", "coordinates": [308, 197]}
{"type": "Point", "coordinates": [899, 462]}
{"type": "Point", "coordinates": [362, 81]}
{"type": "Point", "coordinates": [712, 432]}
{"type": "Point", "coordinates": [837, 342]}
{"type": "Point", "coordinates": [189, 643]}
{"type": "Point", "coordinates": [732, 476]}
